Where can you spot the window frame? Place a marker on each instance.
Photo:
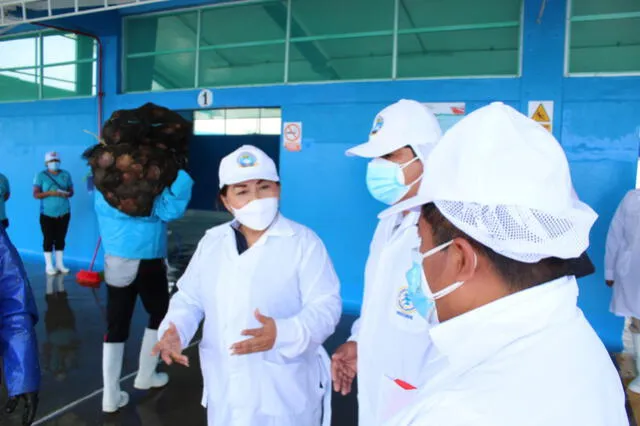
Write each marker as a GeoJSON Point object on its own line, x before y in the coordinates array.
{"type": "Point", "coordinates": [394, 32]}
{"type": "Point", "coordinates": [567, 43]}
{"type": "Point", "coordinates": [38, 37]}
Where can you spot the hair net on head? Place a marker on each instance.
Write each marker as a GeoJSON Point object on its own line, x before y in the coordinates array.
{"type": "Point", "coordinates": [504, 180]}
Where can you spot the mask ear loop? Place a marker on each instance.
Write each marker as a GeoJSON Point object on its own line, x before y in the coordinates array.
{"type": "Point", "coordinates": [453, 287]}
{"type": "Point", "coordinates": [407, 164]}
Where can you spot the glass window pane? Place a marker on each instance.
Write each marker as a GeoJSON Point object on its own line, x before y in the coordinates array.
{"type": "Point", "coordinates": [68, 80]}
{"type": "Point", "coordinates": [595, 7]}
{"type": "Point", "coordinates": [314, 18]}
{"type": "Point", "coordinates": [270, 112]}
{"type": "Point", "coordinates": [242, 66]}
{"type": "Point", "coordinates": [242, 126]}
{"type": "Point", "coordinates": [58, 48]}
{"type": "Point", "coordinates": [459, 53]}
{"type": "Point", "coordinates": [270, 125]}
{"type": "Point", "coordinates": [19, 85]}
{"type": "Point", "coordinates": [243, 113]}
{"type": "Point", "coordinates": [605, 46]}
{"type": "Point", "coordinates": [258, 22]}
{"type": "Point", "coordinates": [175, 71]}
{"type": "Point", "coordinates": [428, 14]}
{"type": "Point", "coordinates": [209, 127]}
{"type": "Point", "coordinates": [19, 52]}
{"type": "Point", "coordinates": [161, 33]}
{"type": "Point", "coordinates": [343, 59]}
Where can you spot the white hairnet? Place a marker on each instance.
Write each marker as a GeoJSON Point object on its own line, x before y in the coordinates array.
{"type": "Point", "coordinates": [504, 180]}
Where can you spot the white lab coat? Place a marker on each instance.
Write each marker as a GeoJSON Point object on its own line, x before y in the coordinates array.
{"type": "Point", "coordinates": [288, 276]}
{"type": "Point", "coordinates": [529, 359]}
{"type": "Point", "coordinates": [393, 340]}
{"type": "Point", "coordinates": [622, 258]}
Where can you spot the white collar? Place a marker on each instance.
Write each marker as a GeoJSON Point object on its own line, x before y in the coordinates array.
{"type": "Point", "coordinates": [471, 338]}
{"type": "Point", "coordinates": [281, 227]}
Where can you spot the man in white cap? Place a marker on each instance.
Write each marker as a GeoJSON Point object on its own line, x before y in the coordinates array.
{"type": "Point", "coordinates": [512, 346]}
{"type": "Point", "coordinates": [402, 137]}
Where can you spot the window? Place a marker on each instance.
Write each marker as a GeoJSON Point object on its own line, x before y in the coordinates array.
{"type": "Point", "coordinates": [47, 65]}
{"type": "Point", "coordinates": [436, 40]}
{"type": "Point", "coordinates": [238, 121]}
{"type": "Point", "coordinates": [603, 37]}
{"type": "Point", "coordinates": [294, 41]}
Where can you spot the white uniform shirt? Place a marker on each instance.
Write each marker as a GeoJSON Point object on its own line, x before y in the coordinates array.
{"type": "Point", "coordinates": [622, 259]}
{"type": "Point", "coordinates": [393, 339]}
{"type": "Point", "coordinates": [288, 276]}
{"type": "Point", "coordinates": [529, 359]}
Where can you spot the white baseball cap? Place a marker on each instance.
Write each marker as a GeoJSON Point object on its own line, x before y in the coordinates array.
{"type": "Point", "coordinates": [247, 163]}
{"type": "Point", "coordinates": [504, 180]}
{"type": "Point", "coordinates": [51, 156]}
{"type": "Point", "coordinates": [406, 122]}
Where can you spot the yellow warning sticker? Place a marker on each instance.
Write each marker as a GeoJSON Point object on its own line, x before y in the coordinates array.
{"type": "Point", "coordinates": [540, 115]}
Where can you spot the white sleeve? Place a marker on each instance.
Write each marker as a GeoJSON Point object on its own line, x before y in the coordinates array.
{"type": "Point", "coordinates": [355, 331]}
{"type": "Point", "coordinates": [185, 309]}
{"type": "Point", "coordinates": [615, 239]}
{"type": "Point", "coordinates": [321, 304]}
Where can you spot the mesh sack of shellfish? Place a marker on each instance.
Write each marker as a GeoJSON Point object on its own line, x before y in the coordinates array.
{"type": "Point", "coordinates": [139, 156]}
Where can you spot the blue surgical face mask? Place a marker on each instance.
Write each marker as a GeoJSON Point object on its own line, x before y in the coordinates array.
{"type": "Point", "coordinates": [53, 166]}
{"type": "Point", "coordinates": [419, 291]}
{"type": "Point", "coordinates": [385, 180]}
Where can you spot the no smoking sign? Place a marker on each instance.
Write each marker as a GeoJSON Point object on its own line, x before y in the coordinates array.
{"type": "Point", "coordinates": [292, 133]}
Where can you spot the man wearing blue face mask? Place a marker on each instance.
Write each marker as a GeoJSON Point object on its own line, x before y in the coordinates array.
{"type": "Point", "coordinates": [400, 140]}
{"type": "Point", "coordinates": [494, 276]}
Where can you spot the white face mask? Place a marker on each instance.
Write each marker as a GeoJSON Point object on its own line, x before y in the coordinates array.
{"type": "Point", "coordinates": [258, 214]}
{"type": "Point", "coordinates": [53, 166]}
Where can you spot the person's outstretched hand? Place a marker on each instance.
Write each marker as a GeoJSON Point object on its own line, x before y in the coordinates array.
{"type": "Point", "coordinates": [170, 347]}
{"type": "Point", "coordinates": [262, 339]}
{"type": "Point", "coordinates": [344, 366]}
{"type": "Point", "coordinates": [30, 406]}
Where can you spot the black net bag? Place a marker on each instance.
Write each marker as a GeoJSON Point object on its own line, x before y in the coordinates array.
{"type": "Point", "coordinates": [140, 155]}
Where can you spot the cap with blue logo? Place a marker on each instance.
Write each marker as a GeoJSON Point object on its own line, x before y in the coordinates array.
{"type": "Point", "coordinates": [405, 123]}
{"type": "Point", "coordinates": [247, 163]}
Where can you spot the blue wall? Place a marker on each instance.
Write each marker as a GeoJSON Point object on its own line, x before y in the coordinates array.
{"type": "Point", "coordinates": [594, 119]}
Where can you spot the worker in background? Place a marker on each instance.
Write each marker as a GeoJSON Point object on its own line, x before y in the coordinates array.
{"type": "Point", "coordinates": [135, 251]}
{"type": "Point", "coordinates": [622, 269]}
{"type": "Point", "coordinates": [53, 187]}
{"type": "Point", "coordinates": [270, 297]}
{"type": "Point", "coordinates": [18, 343]}
{"type": "Point", "coordinates": [400, 141]}
{"type": "Point", "coordinates": [512, 346]}
{"type": "Point", "coordinates": [5, 193]}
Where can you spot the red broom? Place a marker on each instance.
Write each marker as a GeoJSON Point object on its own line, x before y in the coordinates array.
{"type": "Point", "coordinates": [90, 278]}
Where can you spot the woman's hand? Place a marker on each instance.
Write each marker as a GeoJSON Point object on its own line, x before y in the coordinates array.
{"type": "Point", "coordinates": [263, 338]}
{"type": "Point", "coordinates": [170, 347]}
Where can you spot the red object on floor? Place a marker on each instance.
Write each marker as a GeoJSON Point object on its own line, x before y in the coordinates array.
{"type": "Point", "coordinates": [90, 278]}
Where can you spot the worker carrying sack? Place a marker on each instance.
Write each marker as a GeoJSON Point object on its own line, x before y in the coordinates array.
{"type": "Point", "coordinates": [140, 155]}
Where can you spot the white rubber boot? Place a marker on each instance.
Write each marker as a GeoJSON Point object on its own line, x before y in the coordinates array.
{"type": "Point", "coordinates": [147, 377]}
{"type": "Point", "coordinates": [60, 262]}
{"type": "Point", "coordinates": [48, 261]}
{"type": "Point", "coordinates": [634, 386]}
{"type": "Point", "coordinates": [112, 397]}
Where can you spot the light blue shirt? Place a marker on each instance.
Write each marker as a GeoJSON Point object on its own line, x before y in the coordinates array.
{"type": "Point", "coordinates": [128, 237]}
{"type": "Point", "coordinates": [46, 181]}
{"type": "Point", "coordinates": [4, 190]}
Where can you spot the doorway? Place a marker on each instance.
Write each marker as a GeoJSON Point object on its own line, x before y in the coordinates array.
{"type": "Point", "coordinates": [217, 133]}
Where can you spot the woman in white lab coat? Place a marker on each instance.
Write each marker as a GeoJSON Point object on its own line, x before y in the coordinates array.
{"type": "Point", "coordinates": [269, 297]}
